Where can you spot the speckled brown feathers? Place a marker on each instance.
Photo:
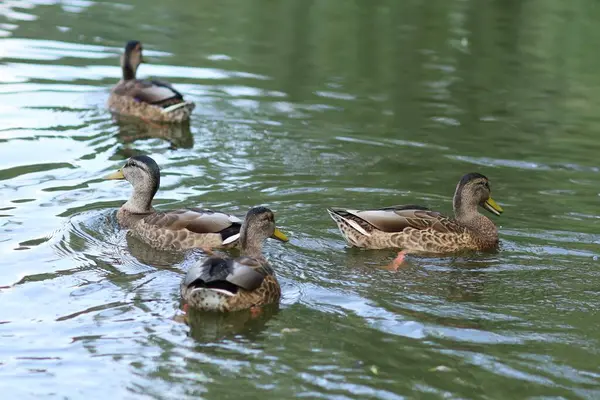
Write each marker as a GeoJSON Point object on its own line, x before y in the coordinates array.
{"type": "Point", "coordinates": [170, 230]}
{"type": "Point", "coordinates": [268, 292]}
{"type": "Point", "coordinates": [188, 228]}
{"type": "Point", "coordinates": [231, 284]}
{"type": "Point", "coordinates": [128, 105]}
{"type": "Point", "coordinates": [419, 230]}
{"type": "Point", "coordinates": [201, 298]}
{"type": "Point", "coordinates": [147, 99]}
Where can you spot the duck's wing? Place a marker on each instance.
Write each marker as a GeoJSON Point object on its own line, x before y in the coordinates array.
{"type": "Point", "coordinates": [200, 221]}
{"type": "Point", "coordinates": [243, 272]}
{"type": "Point", "coordinates": [213, 269]}
{"type": "Point", "coordinates": [248, 273]}
{"type": "Point", "coordinates": [154, 92]}
{"type": "Point", "coordinates": [395, 219]}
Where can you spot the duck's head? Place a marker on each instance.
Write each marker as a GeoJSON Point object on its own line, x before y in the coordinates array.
{"type": "Point", "coordinates": [225, 284]}
{"type": "Point", "coordinates": [131, 59]}
{"type": "Point", "coordinates": [259, 225]}
{"type": "Point", "coordinates": [474, 190]}
{"type": "Point", "coordinates": [143, 174]}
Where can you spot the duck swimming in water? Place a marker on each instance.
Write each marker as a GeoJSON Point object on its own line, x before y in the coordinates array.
{"type": "Point", "coordinates": [151, 100]}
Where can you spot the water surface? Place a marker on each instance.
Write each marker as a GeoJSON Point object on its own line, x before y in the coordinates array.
{"type": "Point", "coordinates": [303, 105]}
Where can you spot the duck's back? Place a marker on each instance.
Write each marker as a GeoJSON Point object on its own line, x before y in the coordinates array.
{"type": "Point", "coordinates": [188, 228]}
{"type": "Point", "coordinates": [149, 99]}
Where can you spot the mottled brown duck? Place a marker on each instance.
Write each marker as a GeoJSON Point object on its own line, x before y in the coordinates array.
{"type": "Point", "coordinates": [150, 100]}
{"type": "Point", "coordinates": [231, 284]}
{"type": "Point", "coordinates": [170, 230]}
{"type": "Point", "coordinates": [417, 229]}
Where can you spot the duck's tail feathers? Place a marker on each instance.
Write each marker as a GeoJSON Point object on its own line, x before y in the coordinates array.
{"type": "Point", "coordinates": [177, 106]}
{"type": "Point", "coordinates": [345, 218]}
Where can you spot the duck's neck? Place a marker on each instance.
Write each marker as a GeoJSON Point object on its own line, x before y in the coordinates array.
{"type": "Point", "coordinates": [251, 245]}
{"type": "Point", "coordinates": [128, 70]}
{"type": "Point", "coordinates": [140, 201]}
{"type": "Point", "coordinates": [481, 226]}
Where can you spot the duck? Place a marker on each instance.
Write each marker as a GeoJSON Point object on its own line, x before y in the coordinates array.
{"type": "Point", "coordinates": [417, 229]}
{"type": "Point", "coordinates": [180, 229]}
{"type": "Point", "coordinates": [225, 284]}
{"type": "Point", "coordinates": [150, 100]}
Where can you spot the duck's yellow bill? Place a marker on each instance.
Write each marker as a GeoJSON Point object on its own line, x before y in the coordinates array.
{"type": "Point", "coordinates": [279, 235]}
{"type": "Point", "coordinates": [115, 175]}
{"type": "Point", "coordinates": [492, 206]}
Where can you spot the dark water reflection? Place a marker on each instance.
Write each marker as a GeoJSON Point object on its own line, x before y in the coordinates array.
{"type": "Point", "coordinates": [132, 130]}
{"type": "Point", "coordinates": [210, 327]}
{"type": "Point", "coordinates": [303, 105]}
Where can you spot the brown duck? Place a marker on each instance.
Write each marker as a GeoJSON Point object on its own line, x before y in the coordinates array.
{"type": "Point", "coordinates": [147, 99]}
{"type": "Point", "coordinates": [416, 229]}
{"type": "Point", "coordinates": [170, 230]}
{"type": "Point", "coordinates": [232, 284]}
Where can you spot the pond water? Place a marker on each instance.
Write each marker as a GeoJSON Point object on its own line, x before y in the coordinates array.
{"type": "Point", "coordinates": [303, 105]}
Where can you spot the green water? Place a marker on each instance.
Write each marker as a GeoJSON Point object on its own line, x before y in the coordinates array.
{"type": "Point", "coordinates": [303, 105]}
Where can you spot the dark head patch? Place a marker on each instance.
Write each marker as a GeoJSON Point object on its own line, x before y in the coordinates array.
{"type": "Point", "coordinates": [131, 45]}
{"type": "Point", "coordinates": [147, 161]}
{"type": "Point", "coordinates": [471, 177]}
{"type": "Point", "coordinates": [258, 211]}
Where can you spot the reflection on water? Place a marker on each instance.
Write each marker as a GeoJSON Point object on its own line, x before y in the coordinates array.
{"type": "Point", "coordinates": [303, 105]}
{"type": "Point", "coordinates": [206, 327]}
{"type": "Point", "coordinates": [131, 129]}
{"type": "Point", "coordinates": [148, 255]}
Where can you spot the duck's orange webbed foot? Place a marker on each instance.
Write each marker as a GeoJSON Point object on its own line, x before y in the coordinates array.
{"type": "Point", "coordinates": [396, 262]}
{"type": "Point", "coordinates": [182, 318]}
{"type": "Point", "coordinates": [255, 311]}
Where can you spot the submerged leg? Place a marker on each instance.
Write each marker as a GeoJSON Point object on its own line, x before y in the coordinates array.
{"type": "Point", "coordinates": [255, 311]}
{"type": "Point", "coordinates": [396, 262]}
